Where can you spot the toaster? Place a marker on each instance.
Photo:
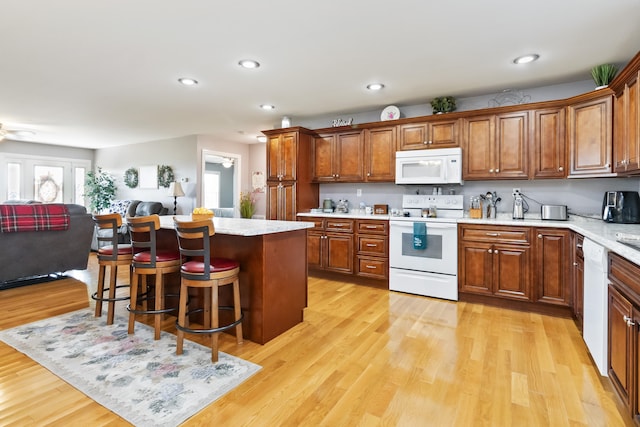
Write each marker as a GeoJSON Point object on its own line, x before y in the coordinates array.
{"type": "Point", "coordinates": [554, 212]}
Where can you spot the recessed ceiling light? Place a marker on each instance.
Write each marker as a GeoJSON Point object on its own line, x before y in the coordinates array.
{"type": "Point", "coordinates": [249, 63]}
{"type": "Point", "coordinates": [188, 81]}
{"type": "Point", "coordinates": [267, 107]}
{"type": "Point", "coordinates": [262, 138]}
{"type": "Point", "coordinates": [375, 86]}
{"type": "Point", "coordinates": [525, 59]}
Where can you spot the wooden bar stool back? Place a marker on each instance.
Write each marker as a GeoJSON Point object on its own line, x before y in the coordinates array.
{"type": "Point", "coordinates": [200, 270]}
{"type": "Point", "coordinates": [149, 260]}
{"type": "Point", "coordinates": [111, 255]}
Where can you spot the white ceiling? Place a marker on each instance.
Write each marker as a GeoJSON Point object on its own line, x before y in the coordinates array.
{"type": "Point", "coordinates": [98, 74]}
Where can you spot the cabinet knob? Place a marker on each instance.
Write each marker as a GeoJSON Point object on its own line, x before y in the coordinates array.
{"type": "Point", "coordinates": [425, 142]}
{"type": "Point", "coordinates": [607, 165]}
{"type": "Point", "coordinates": [578, 245]}
{"type": "Point", "coordinates": [368, 173]}
{"type": "Point", "coordinates": [430, 142]}
{"type": "Point", "coordinates": [560, 168]}
{"type": "Point", "coordinates": [495, 252]}
{"type": "Point", "coordinates": [490, 251]}
{"type": "Point", "coordinates": [490, 170]}
{"type": "Point", "coordinates": [497, 170]}
{"type": "Point", "coordinates": [539, 236]}
{"type": "Point", "coordinates": [575, 264]}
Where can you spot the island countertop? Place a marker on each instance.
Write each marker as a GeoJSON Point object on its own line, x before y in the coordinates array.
{"type": "Point", "coordinates": [243, 226]}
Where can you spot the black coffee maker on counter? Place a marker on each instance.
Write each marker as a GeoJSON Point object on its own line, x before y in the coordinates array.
{"type": "Point", "coordinates": [621, 207]}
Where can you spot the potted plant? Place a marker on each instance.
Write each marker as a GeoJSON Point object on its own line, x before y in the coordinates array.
{"type": "Point", "coordinates": [247, 203]}
{"type": "Point", "coordinates": [603, 74]}
{"type": "Point", "coordinates": [443, 104]}
{"type": "Point", "coordinates": [100, 188]}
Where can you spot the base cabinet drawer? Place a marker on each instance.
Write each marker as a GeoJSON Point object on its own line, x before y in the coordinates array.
{"type": "Point", "coordinates": [372, 267]}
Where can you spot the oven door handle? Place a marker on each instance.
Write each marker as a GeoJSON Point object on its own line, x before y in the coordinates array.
{"type": "Point", "coordinates": [439, 226]}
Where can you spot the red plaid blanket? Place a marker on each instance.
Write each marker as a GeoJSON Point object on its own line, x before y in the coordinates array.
{"type": "Point", "coordinates": [36, 217]}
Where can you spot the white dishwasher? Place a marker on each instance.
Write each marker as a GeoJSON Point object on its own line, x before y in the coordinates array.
{"type": "Point", "coordinates": [595, 319]}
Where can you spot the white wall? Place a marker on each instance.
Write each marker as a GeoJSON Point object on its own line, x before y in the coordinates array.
{"type": "Point", "coordinates": [179, 153]}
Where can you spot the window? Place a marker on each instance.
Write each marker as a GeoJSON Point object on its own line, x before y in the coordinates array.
{"type": "Point", "coordinates": [13, 181]}
{"type": "Point", "coordinates": [211, 190]}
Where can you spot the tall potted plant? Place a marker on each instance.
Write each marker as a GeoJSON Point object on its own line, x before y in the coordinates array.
{"type": "Point", "coordinates": [603, 74]}
{"type": "Point", "coordinates": [100, 188]}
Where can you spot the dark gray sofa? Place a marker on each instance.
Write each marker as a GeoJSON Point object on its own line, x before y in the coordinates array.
{"type": "Point", "coordinates": [40, 253]}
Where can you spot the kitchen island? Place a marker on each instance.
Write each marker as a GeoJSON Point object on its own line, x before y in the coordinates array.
{"type": "Point", "coordinates": [273, 269]}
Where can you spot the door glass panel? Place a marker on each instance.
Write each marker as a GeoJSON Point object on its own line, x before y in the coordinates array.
{"type": "Point", "coordinates": [433, 250]}
{"type": "Point", "coordinates": [78, 194]}
{"type": "Point", "coordinates": [422, 169]}
{"type": "Point", "coordinates": [48, 181]}
{"type": "Point", "coordinates": [13, 181]}
{"type": "Point", "coordinates": [211, 190]}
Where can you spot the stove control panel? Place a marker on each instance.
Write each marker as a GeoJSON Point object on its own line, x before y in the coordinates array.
{"type": "Point", "coordinates": [419, 201]}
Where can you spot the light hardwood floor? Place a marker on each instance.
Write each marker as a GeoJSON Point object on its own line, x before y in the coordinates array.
{"type": "Point", "coordinates": [362, 357]}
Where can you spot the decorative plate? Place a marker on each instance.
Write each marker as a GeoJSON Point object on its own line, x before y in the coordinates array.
{"type": "Point", "coordinates": [390, 113]}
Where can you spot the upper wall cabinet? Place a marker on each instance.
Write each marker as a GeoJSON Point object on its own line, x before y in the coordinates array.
{"type": "Point", "coordinates": [496, 146]}
{"type": "Point", "coordinates": [434, 134]}
{"type": "Point", "coordinates": [338, 157]}
{"type": "Point", "coordinates": [590, 132]}
{"type": "Point", "coordinates": [549, 159]}
{"type": "Point", "coordinates": [282, 156]}
{"type": "Point", "coordinates": [380, 154]}
{"type": "Point", "coordinates": [626, 115]}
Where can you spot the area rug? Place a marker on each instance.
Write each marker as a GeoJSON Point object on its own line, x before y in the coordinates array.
{"type": "Point", "coordinates": [140, 379]}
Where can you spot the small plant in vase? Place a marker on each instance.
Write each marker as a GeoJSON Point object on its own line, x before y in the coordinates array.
{"type": "Point", "coordinates": [603, 74]}
{"type": "Point", "coordinates": [248, 203]}
{"type": "Point", "coordinates": [443, 104]}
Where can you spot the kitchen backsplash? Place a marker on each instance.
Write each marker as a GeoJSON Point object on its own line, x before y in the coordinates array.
{"type": "Point", "coordinates": [582, 196]}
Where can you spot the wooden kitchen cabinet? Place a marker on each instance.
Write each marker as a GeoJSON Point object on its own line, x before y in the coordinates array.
{"type": "Point", "coordinates": [495, 261]}
{"type": "Point", "coordinates": [281, 199]}
{"type": "Point", "coordinates": [380, 154]}
{"type": "Point", "coordinates": [552, 271]}
{"type": "Point", "coordinates": [549, 159]}
{"type": "Point", "coordinates": [496, 146]}
{"type": "Point", "coordinates": [577, 279]}
{"type": "Point", "coordinates": [338, 157]}
{"type": "Point", "coordinates": [289, 188]}
{"type": "Point", "coordinates": [626, 115]}
{"type": "Point", "coordinates": [624, 331]}
{"type": "Point", "coordinates": [432, 134]}
{"type": "Point", "coordinates": [372, 244]}
{"type": "Point", "coordinates": [330, 245]}
{"type": "Point", "coordinates": [590, 133]}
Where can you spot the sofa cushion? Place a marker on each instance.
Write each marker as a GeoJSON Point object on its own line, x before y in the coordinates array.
{"type": "Point", "coordinates": [119, 206]}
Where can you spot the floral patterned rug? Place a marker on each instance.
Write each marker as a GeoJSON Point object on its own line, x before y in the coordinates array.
{"type": "Point", "coordinates": [140, 379]}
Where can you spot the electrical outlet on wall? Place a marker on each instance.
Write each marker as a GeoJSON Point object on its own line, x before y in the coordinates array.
{"type": "Point", "coordinates": [515, 192]}
{"type": "Point", "coordinates": [359, 192]}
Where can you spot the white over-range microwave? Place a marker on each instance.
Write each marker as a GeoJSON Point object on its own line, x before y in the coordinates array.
{"type": "Point", "coordinates": [434, 166]}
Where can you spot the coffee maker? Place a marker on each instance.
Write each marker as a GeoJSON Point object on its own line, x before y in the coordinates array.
{"type": "Point", "coordinates": [621, 207]}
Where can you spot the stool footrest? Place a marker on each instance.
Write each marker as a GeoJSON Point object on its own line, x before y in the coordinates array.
{"type": "Point", "coordinates": [95, 296]}
{"type": "Point", "coordinates": [210, 330]}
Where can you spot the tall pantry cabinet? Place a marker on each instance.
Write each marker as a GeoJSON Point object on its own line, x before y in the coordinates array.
{"type": "Point", "coordinates": [289, 186]}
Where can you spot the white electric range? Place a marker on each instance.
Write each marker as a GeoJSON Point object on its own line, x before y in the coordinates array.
{"type": "Point", "coordinates": [431, 271]}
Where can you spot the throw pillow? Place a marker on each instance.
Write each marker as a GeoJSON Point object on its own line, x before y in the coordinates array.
{"type": "Point", "coordinates": [119, 206]}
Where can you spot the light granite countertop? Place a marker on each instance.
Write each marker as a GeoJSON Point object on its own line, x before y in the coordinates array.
{"type": "Point", "coordinates": [601, 232]}
{"type": "Point", "coordinates": [242, 226]}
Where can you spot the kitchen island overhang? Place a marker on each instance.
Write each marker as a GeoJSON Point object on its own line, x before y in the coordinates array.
{"type": "Point", "coordinates": [273, 269]}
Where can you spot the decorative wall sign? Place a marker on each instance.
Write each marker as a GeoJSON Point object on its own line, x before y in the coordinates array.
{"type": "Point", "coordinates": [342, 122]}
{"type": "Point", "coordinates": [257, 181]}
{"type": "Point", "coordinates": [149, 176]}
{"type": "Point", "coordinates": [131, 177]}
{"type": "Point", "coordinates": [165, 176]}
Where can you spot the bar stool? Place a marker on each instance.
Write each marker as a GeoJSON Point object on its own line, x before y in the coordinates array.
{"type": "Point", "coordinates": [112, 256]}
{"type": "Point", "coordinates": [148, 260]}
{"type": "Point", "coordinates": [200, 270]}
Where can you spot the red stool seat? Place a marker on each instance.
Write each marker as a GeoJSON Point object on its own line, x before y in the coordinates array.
{"type": "Point", "coordinates": [161, 256]}
{"type": "Point", "coordinates": [120, 250]}
{"type": "Point", "coordinates": [217, 265]}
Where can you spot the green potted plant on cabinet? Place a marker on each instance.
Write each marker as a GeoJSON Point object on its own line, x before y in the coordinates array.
{"type": "Point", "coordinates": [603, 74]}
{"type": "Point", "coordinates": [100, 188]}
{"type": "Point", "coordinates": [443, 104]}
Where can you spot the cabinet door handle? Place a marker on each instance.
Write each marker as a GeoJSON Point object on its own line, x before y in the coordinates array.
{"type": "Point", "coordinates": [371, 245]}
{"type": "Point", "coordinates": [371, 227]}
{"type": "Point", "coordinates": [490, 170]}
{"type": "Point", "coordinates": [575, 264]}
{"type": "Point", "coordinates": [578, 245]}
{"type": "Point", "coordinates": [497, 170]}
{"type": "Point", "coordinates": [490, 251]}
{"type": "Point", "coordinates": [425, 142]}
{"type": "Point", "coordinates": [372, 267]}
{"type": "Point", "coordinates": [607, 165]}
{"type": "Point", "coordinates": [629, 320]}
{"type": "Point", "coordinates": [368, 173]}
{"type": "Point", "coordinates": [495, 252]}
{"type": "Point", "coordinates": [539, 236]}
{"type": "Point", "coordinates": [493, 234]}
{"type": "Point", "coordinates": [560, 169]}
